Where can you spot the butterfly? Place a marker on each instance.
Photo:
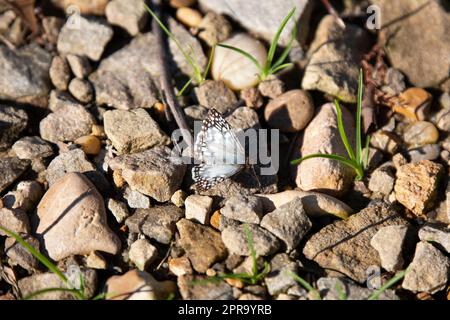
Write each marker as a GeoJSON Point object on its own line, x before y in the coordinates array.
{"type": "Point", "coordinates": [219, 151]}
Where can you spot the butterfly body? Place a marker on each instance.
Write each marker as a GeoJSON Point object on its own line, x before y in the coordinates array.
{"type": "Point", "coordinates": [220, 153]}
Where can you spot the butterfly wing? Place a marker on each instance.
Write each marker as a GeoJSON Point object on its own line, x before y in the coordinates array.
{"type": "Point", "coordinates": [216, 142]}
{"type": "Point", "coordinates": [220, 152]}
{"type": "Point", "coordinates": [207, 176]}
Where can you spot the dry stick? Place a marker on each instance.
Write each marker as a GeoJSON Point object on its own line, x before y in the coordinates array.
{"type": "Point", "coordinates": [166, 87]}
{"type": "Point", "coordinates": [333, 12]}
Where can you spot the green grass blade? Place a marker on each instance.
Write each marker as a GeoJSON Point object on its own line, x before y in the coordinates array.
{"type": "Point", "coordinates": [276, 38]}
{"type": "Point", "coordinates": [208, 66]}
{"type": "Point", "coordinates": [43, 291]}
{"type": "Point", "coordinates": [366, 153]}
{"type": "Point", "coordinates": [46, 262]}
{"type": "Point", "coordinates": [342, 133]}
{"type": "Point", "coordinates": [251, 248]}
{"type": "Point", "coordinates": [314, 293]}
{"type": "Point", "coordinates": [179, 94]}
{"type": "Point", "coordinates": [283, 66]}
{"type": "Point", "coordinates": [245, 54]}
{"type": "Point", "coordinates": [387, 285]}
{"type": "Point", "coordinates": [345, 161]}
{"type": "Point", "coordinates": [286, 50]}
{"type": "Point", "coordinates": [341, 293]}
{"type": "Point", "coordinates": [358, 117]}
{"type": "Point", "coordinates": [174, 39]}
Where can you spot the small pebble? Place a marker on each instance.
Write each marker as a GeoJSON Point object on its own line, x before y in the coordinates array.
{"type": "Point", "coordinates": [189, 17]}
{"type": "Point", "coordinates": [178, 198]}
{"type": "Point", "coordinates": [90, 145]}
{"type": "Point", "coordinates": [198, 208]}
{"type": "Point", "coordinates": [82, 90]}
{"type": "Point", "coordinates": [142, 253]}
{"type": "Point", "coordinates": [79, 65]}
{"type": "Point", "coordinates": [421, 133]}
{"type": "Point", "coordinates": [180, 266]}
{"type": "Point", "coordinates": [60, 73]}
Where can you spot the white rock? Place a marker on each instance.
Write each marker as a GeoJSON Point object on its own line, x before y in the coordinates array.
{"type": "Point", "coordinates": [142, 253]}
{"type": "Point", "coordinates": [198, 208]}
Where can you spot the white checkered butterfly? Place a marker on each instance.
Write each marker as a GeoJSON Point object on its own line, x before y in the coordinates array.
{"type": "Point", "coordinates": [219, 151]}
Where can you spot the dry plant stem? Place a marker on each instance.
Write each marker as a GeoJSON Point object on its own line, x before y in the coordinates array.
{"type": "Point", "coordinates": [333, 12]}
{"type": "Point", "coordinates": [166, 87]}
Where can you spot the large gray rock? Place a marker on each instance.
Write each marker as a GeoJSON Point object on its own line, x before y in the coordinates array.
{"type": "Point", "coordinates": [156, 222]}
{"type": "Point", "coordinates": [152, 172]}
{"type": "Point", "coordinates": [128, 78]}
{"type": "Point", "coordinates": [67, 123]}
{"type": "Point", "coordinates": [12, 122]}
{"type": "Point", "coordinates": [289, 223]}
{"type": "Point", "coordinates": [429, 270]}
{"type": "Point", "coordinates": [71, 161]}
{"type": "Point", "coordinates": [263, 17]}
{"type": "Point", "coordinates": [202, 244]}
{"type": "Point", "coordinates": [243, 208]}
{"type": "Point", "coordinates": [72, 219]}
{"type": "Point", "coordinates": [11, 169]}
{"type": "Point", "coordinates": [335, 54]}
{"type": "Point", "coordinates": [24, 74]}
{"type": "Point", "coordinates": [322, 136]}
{"type": "Point", "coordinates": [411, 36]}
{"type": "Point", "coordinates": [344, 246]}
{"type": "Point", "coordinates": [85, 37]}
{"type": "Point", "coordinates": [133, 131]}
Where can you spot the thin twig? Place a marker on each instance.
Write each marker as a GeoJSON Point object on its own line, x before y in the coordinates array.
{"type": "Point", "coordinates": [334, 13]}
{"type": "Point", "coordinates": [166, 87]}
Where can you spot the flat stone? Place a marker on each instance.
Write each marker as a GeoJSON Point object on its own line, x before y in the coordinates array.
{"type": "Point", "coordinates": [243, 118]}
{"type": "Point", "coordinates": [11, 169]}
{"type": "Point", "coordinates": [322, 136]}
{"type": "Point", "coordinates": [427, 152]}
{"type": "Point", "coordinates": [382, 180]}
{"type": "Point", "coordinates": [130, 15]}
{"type": "Point", "coordinates": [272, 87]}
{"type": "Point", "coordinates": [416, 185]}
{"type": "Point", "coordinates": [390, 242]}
{"type": "Point", "coordinates": [156, 223]}
{"type": "Point", "coordinates": [20, 256]}
{"type": "Point", "coordinates": [60, 73]}
{"type": "Point", "coordinates": [202, 244]}
{"type": "Point", "coordinates": [315, 204]}
{"type": "Point", "coordinates": [421, 133]}
{"type": "Point", "coordinates": [95, 7]}
{"type": "Point", "coordinates": [133, 131]}
{"type": "Point", "coordinates": [244, 208]}
{"type": "Point", "coordinates": [263, 18]}
{"type": "Point", "coordinates": [12, 122]}
{"type": "Point", "coordinates": [152, 172]}
{"type": "Point", "coordinates": [32, 148]}
{"type": "Point", "coordinates": [290, 111]}
{"type": "Point", "coordinates": [89, 37]}
{"type": "Point", "coordinates": [429, 270]}
{"type": "Point", "coordinates": [15, 220]}
{"type": "Point", "coordinates": [235, 239]}
{"type": "Point", "coordinates": [82, 90]}
{"type": "Point", "coordinates": [198, 208]}
{"type": "Point", "coordinates": [79, 65]}
{"type": "Point", "coordinates": [289, 223]}
{"type": "Point", "coordinates": [328, 290]}
{"type": "Point", "coordinates": [24, 74]}
{"type": "Point", "coordinates": [189, 290]}
{"type": "Point", "coordinates": [142, 253]}
{"type": "Point", "coordinates": [280, 277]}
{"type": "Point", "coordinates": [71, 161]}
{"type": "Point", "coordinates": [73, 219]}
{"type": "Point", "coordinates": [135, 199]}
{"type": "Point", "coordinates": [344, 246]}
{"type": "Point", "coordinates": [335, 54]}
{"type": "Point", "coordinates": [439, 235]}
{"type": "Point", "coordinates": [37, 282]}
{"type": "Point", "coordinates": [67, 123]}
{"type": "Point", "coordinates": [124, 80]}
{"type": "Point", "coordinates": [408, 47]}
{"type": "Point", "coordinates": [138, 285]}
{"type": "Point", "coordinates": [118, 209]}
{"type": "Point", "coordinates": [215, 94]}
{"type": "Point", "coordinates": [180, 266]}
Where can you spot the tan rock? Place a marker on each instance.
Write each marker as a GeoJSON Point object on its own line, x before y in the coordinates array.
{"type": "Point", "coordinates": [73, 219]}
{"type": "Point", "coordinates": [416, 185]}
{"type": "Point", "coordinates": [322, 136]}
{"type": "Point", "coordinates": [138, 285]}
